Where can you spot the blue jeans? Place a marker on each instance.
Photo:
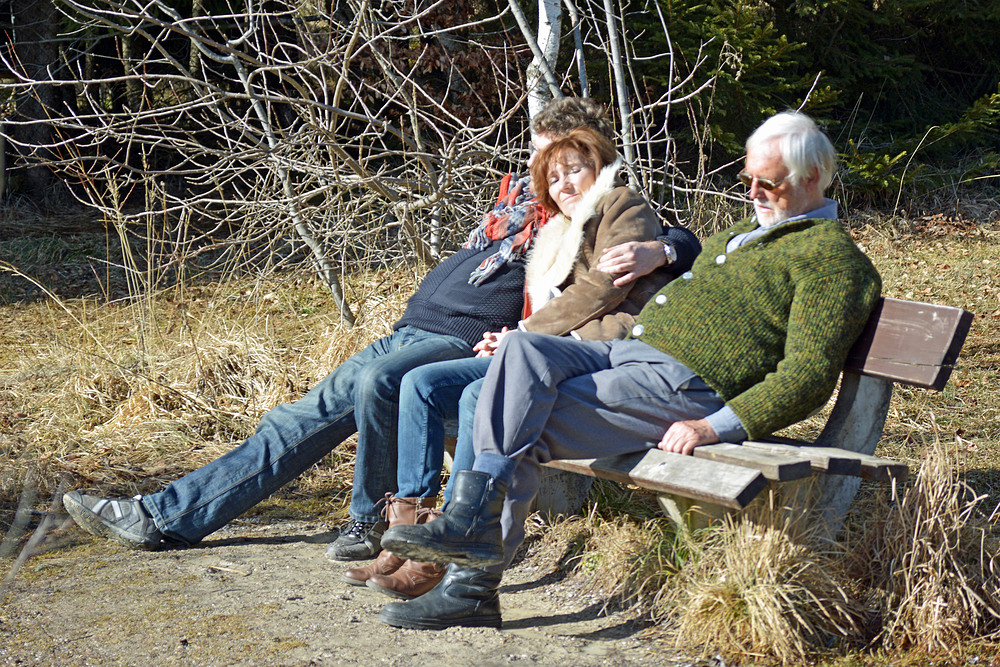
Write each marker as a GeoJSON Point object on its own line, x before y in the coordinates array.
{"type": "Point", "coordinates": [428, 396]}
{"type": "Point", "coordinates": [362, 394]}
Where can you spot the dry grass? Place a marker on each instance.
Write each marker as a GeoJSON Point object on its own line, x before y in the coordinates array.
{"type": "Point", "coordinates": [124, 394]}
{"type": "Point", "coordinates": [759, 588]}
{"type": "Point", "coordinates": [624, 559]}
{"type": "Point", "coordinates": [916, 578]}
{"type": "Point", "coordinates": [929, 561]}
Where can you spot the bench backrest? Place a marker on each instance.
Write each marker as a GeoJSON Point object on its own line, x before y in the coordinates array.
{"type": "Point", "coordinates": [911, 342]}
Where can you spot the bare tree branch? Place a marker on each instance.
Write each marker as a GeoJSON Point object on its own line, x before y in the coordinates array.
{"type": "Point", "coordinates": [350, 136]}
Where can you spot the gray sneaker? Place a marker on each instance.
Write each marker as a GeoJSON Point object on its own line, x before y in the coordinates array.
{"type": "Point", "coordinates": [124, 521]}
{"type": "Point", "coordinates": [359, 541]}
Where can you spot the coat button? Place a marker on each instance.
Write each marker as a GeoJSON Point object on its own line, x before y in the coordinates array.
{"type": "Point", "coordinates": [661, 299]}
{"type": "Point", "coordinates": [687, 275]}
{"type": "Point", "coordinates": [638, 330]}
{"type": "Point", "coordinates": [721, 259]}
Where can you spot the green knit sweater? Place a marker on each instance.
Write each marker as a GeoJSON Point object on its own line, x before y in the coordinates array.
{"type": "Point", "coordinates": [767, 326]}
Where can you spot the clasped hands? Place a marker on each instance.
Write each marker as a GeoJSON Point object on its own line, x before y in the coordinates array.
{"type": "Point", "coordinates": [490, 342]}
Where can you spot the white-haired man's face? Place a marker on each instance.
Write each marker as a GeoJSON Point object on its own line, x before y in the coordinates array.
{"type": "Point", "coordinates": [786, 199]}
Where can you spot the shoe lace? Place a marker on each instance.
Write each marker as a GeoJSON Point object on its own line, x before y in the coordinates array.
{"type": "Point", "coordinates": [359, 529]}
{"type": "Point", "coordinates": [388, 501]}
{"type": "Point", "coordinates": [385, 503]}
{"type": "Point", "coordinates": [430, 512]}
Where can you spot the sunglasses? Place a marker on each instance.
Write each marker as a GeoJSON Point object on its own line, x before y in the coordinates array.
{"type": "Point", "coordinates": [766, 183]}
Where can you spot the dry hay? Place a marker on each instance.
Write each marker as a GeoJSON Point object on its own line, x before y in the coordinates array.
{"type": "Point", "coordinates": [229, 381]}
{"type": "Point", "coordinates": [629, 561]}
{"type": "Point", "coordinates": [622, 559]}
{"type": "Point", "coordinates": [919, 574]}
{"type": "Point", "coordinates": [183, 406]}
{"type": "Point", "coordinates": [124, 397]}
{"type": "Point", "coordinates": [757, 589]}
{"type": "Point", "coordinates": [930, 561]}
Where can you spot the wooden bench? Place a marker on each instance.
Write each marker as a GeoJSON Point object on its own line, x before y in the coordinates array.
{"type": "Point", "coordinates": [904, 341]}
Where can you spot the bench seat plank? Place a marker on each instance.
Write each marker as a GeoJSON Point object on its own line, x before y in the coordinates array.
{"type": "Point", "coordinates": [869, 467]}
{"type": "Point", "coordinates": [702, 480]}
{"type": "Point", "coordinates": [776, 466]}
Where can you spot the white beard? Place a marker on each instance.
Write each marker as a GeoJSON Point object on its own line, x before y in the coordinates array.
{"type": "Point", "coordinates": [768, 217]}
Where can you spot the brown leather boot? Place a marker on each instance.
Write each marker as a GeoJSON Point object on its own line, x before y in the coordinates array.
{"type": "Point", "coordinates": [412, 578]}
{"type": "Point", "coordinates": [397, 512]}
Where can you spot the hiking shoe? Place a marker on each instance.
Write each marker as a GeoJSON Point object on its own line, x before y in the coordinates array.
{"type": "Point", "coordinates": [360, 541]}
{"type": "Point", "coordinates": [124, 521]}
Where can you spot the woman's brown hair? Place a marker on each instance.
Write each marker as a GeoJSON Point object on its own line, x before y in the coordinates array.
{"type": "Point", "coordinates": [597, 150]}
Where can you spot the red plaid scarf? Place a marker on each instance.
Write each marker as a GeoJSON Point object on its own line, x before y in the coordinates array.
{"type": "Point", "coordinates": [514, 221]}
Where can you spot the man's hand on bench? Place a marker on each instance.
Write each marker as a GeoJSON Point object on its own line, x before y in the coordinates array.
{"type": "Point", "coordinates": [683, 437]}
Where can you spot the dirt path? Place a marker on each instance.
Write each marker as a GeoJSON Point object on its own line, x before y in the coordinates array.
{"type": "Point", "coordinates": [266, 595]}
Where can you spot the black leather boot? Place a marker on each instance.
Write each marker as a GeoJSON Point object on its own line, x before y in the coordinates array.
{"type": "Point", "coordinates": [465, 597]}
{"type": "Point", "coordinates": [467, 533]}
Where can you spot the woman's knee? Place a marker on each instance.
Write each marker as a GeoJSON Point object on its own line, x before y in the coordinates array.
{"type": "Point", "coordinates": [419, 383]}
{"type": "Point", "coordinates": [470, 395]}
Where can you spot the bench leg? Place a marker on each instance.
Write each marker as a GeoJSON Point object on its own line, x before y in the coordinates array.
{"type": "Point", "coordinates": [691, 514]}
{"type": "Point", "coordinates": [790, 505]}
{"type": "Point", "coordinates": [787, 503]}
{"type": "Point", "coordinates": [855, 424]}
{"type": "Point", "coordinates": [561, 492]}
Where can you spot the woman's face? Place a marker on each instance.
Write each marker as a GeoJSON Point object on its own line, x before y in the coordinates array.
{"type": "Point", "coordinates": [569, 177]}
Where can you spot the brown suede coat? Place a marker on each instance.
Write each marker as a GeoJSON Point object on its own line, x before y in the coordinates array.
{"type": "Point", "coordinates": [564, 253]}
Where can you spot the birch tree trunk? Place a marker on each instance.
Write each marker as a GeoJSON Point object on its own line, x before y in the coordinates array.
{"type": "Point", "coordinates": [621, 93]}
{"type": "Point", "coordinates": [549, 31]}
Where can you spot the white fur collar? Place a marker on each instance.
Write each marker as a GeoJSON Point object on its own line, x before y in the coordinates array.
{"type": "Point", "coordinates": [557, 245]}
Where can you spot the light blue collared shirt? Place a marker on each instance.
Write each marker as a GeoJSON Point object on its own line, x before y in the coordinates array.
{"type": "Point", "coordinates": [828, 210]}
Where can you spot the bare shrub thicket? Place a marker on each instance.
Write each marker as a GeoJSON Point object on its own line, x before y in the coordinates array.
{"type": "Point", "coordinates": [364, 133]}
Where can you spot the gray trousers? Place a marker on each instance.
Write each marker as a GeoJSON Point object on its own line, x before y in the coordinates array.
{"type": "Point", "coordinates": [547, 397]}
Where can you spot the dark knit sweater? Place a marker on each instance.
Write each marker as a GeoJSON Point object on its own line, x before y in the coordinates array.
{"type": "Point", "coordinates": [446, 303]}
{"type": "Point", "coordinates": [767, 326]}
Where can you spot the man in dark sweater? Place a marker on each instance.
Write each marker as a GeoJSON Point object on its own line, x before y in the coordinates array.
{"type": "Point", "coordinates": [478, 289]}
{"type": "Point", "coordinates": [750, 340]}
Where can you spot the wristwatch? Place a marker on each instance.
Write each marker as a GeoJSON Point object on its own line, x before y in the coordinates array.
{"type": "Point", "coordinates": [668, 250]}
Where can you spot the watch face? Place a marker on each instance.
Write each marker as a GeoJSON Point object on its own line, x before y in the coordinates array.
{"type": "Point", "coordinates": [668, 250]}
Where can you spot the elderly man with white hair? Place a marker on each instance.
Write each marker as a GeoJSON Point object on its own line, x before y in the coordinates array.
{"type": "Point", "coordinates": [749, 341]}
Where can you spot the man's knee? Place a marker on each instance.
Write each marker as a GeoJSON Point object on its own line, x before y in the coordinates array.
{"type": "Point", "coordinates": [376, 380]}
